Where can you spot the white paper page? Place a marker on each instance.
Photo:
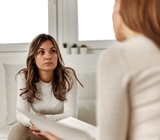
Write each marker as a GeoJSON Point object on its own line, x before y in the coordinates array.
{"type": "Point", "coordinates": [78, 124]}
{"type": "Point", "coordinates": [58, 129]}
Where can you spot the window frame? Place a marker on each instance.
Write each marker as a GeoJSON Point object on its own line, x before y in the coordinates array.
{"type": "Point", "coordinates": [69, 24]}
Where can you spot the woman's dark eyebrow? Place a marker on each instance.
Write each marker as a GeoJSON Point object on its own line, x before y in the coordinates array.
{"type": "Point", "coordinates": [50, 48]}
{"type": "Point", "coordinates": [53, 47]}
{"type": "Point", "coordinates": [40, 49]}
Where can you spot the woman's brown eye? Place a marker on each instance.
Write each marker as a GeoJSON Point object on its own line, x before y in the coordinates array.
{"type": "Point", "coordinates": [53, 51]}
{"type": "Point", "coordinates": [40, 52]}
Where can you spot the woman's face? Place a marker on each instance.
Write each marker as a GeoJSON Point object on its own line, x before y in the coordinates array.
{"type": "Point", "coordinates": [46, 57]}
{"type": "Point", "coordinates": [117, 22]}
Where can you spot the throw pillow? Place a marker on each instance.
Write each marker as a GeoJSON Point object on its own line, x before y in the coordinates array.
{"type": "Point", "coordinates": [11, 90]}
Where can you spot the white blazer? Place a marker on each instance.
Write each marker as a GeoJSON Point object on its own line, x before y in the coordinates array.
{"type": "Point", "coordinates": [128, 82]}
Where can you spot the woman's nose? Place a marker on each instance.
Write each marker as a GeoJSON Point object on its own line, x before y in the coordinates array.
{"type": "Point", "coordinates": [48, 56]}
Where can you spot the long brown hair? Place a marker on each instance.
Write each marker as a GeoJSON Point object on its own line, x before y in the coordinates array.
{"type": "Point", "coordinates": [63, 76]}
{"type": "Point", "coordinates": [142, 16]}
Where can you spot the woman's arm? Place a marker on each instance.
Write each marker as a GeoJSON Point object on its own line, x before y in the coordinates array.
{"type": "Point", "coordinates": [113, 107]}
{"type": "Point", "coordinates": [22, 104]}
{"type": "Point", "coordinates": [70, 105]}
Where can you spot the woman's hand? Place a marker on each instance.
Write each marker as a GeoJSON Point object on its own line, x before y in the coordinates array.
{"type": "Point", "coordinates": [38, 133]}
{"type": "Point", "coordinates": [35, 131]}
{"type": "Point", "coordinates": [49, 136]}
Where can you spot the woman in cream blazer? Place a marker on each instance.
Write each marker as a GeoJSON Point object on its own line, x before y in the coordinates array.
{"type": "Point", "coordinates": [129, 74]}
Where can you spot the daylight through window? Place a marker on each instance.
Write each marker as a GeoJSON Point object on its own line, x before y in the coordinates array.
{"type": "Point", "coordinates": [95, 20]}
{"type": "Point", "coordinates": [22, 20]}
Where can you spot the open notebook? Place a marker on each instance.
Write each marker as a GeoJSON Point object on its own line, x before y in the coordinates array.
{"type": "Point", "coordinates": [66, 129]}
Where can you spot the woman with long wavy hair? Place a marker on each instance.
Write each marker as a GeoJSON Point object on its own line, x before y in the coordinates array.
{"type": "Point", "coordinates": [45, 87]}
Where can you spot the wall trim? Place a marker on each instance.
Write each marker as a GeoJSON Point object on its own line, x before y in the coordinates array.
{"type": "Point", "coordinates": [21, 47]}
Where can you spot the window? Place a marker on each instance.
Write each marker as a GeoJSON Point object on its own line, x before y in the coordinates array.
{"type": "Point", "coordinates": [22, 20]}
{"type": "Point", "coordinates": [86, 22]}
{"type": "Point", "coordinates": [95, 20]}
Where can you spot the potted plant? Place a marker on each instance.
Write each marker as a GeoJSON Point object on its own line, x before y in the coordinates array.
{"type": "Point", "coordinates": [64, 45]}
{"type": "Point", "coordinates": [83, 49]}
{"type": "Point", "coordinates": [65, 48]}
{"type": "Point", "coordinates": [74, 49]}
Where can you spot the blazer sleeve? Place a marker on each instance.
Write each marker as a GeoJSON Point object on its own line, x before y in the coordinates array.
{"type": "Point", "coordinates": [112, 99]}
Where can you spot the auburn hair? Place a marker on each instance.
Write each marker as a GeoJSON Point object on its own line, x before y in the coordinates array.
{"type": "Point", "coordinates": [142, 16]}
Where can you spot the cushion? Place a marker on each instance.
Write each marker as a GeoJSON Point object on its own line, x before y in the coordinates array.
{"type": "Point", "coordinates": [87, 97]}
{"type": "Point", "coordinates": [88, 79]}
{"type": "Point", "coordinates": [87, 111]}
{"type": "Point", "coordinates": [11, 90]}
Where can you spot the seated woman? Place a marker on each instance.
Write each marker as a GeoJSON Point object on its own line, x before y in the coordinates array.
{"type": "Point", "coordinates": [45, 87]}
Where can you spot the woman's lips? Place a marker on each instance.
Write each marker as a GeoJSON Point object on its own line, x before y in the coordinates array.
{"type": "Point", "coordinates": [48, 63]}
